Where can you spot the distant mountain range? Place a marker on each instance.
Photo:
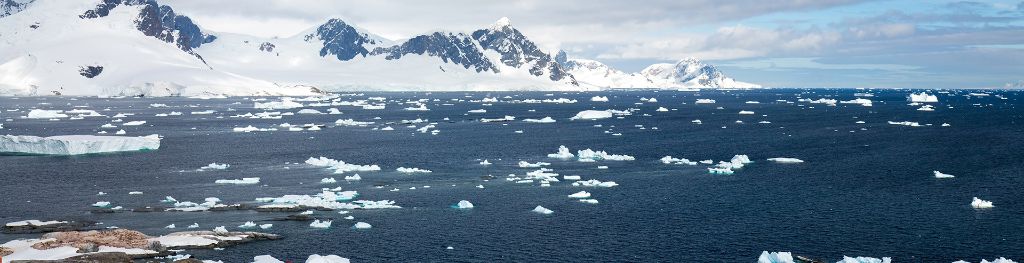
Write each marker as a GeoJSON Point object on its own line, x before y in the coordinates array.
{"type": "Point", "coordinates": [139, 47]}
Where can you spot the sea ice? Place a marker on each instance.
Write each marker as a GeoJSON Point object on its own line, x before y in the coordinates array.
{"type": "Point", "coordinates": [503, 119]}
{"type": "Point", "coordinates": [362, 225]}
{"type": "Point", "coordinates": [542, 120]}
{"type": "Point", "coordinates": [525, 164]}
{"type": "Point", "coordinates": [247, 180]}
{"type": "Point", "coordinates": [661, 109]}
{"type": "Point", "coordinates": [351, 122]}
{"type": "Point", "coordinates": [785, 160]}
{"type": "Point", "coordinates": [133, 123]}
{"type": "Point", "coordinates": [328, 180]}
{"type": "Point", "coordinates": [46, 114]}
{"type": "Point", "coordinates": [942, 175]}
{"type": "Point", "coordinates": [580, 194]}
{"type": "Point", "coordinates": [592, 115]}
{"type": "Point", "coordinates": [542, 210]}
{"type": "Point", "coordinates": [599, 99]}
{"type": "Point", "coordinates": [485, 162]}
{"type": "Point", "coordinates": [923, 97]}
{"type": "Point", "coordinates": [864, 260]}
{"type": "Point", "coordinates": [775, 257]}
{"type": "Point", "coordinates": [589, 155]}
{"type": "Point", "coordinates": [355, 177]}
{"type": "Point", "coordinates": [463, 205]}
{"type": "Point", "coordinates": [563, 153]}
{"type": "Point", "coordinates": [76, 144]}
{"type": "Point", "coordinates": [977, 203]}
{"type": "Point", "coordinates": [285, 103]}
{"type": "Point", "coordinates": [745, 112]}
{"type": "Point", "coordinates": [320, 224]}
{"type": "Point", "coordinates": [595, 183]}
{"type": "Point", "coordinates": [247, 225]}
{"type": "Point", "coordinates": [672, 160]}
{"type": "Point", "coordinates": [326, 259]}
{"type": "Point", "coordinates": [215, 166]}
{"type": "Point", "coordinates": [705, 101]}
{"type": "Point", "coordinates": [340, 166]}
{"type": "Point", "coordinates": [411, 170]}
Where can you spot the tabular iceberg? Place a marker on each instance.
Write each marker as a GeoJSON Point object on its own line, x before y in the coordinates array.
{"type": "Point", "coordinates": [76, 144]}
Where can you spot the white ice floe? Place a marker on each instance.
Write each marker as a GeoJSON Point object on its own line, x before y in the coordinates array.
{"type": "Point", "coordinates": [133, 123]}
{"type": "Point", "coordinates": [864, 260]}
{"type": "Point", "coordinates": [923, 98]}
{"type": "Point", "coordinates": [46, 114]}
{"type": "Point", "coordinates": [571, 177]}
{"type": "Point", "coordinates": [477, 111]}
{"type": "Point", "coordinates": [977, 203]}
{"type": "Point", "coordinates": [320, 224]}
{"type": "Point", "coordinates": [594, 183]}
{"type": "Point", "coordinates": [926, 108]}
{"type": "Point", "coordinates": [248, 225]}
{"type": "Point", "coordinates": [355, 177]}
{"type": "Point", "coordinates": [746, 112]}
{"type": "Point", "coordinates": [284, 104]}
{"type": "Point", "coordinates": [250, 128]}
{"type": "Point", "coordinates": [785, 160]}
{"type": "Point", "coordinates": [308, 111]}
{"type": "Point", "coordinates": [580, 195]}
{"type": "Point", "coordinates": [326, 259]}
{"type": "Point", "coordinates": [215, 166]}
{"type": "Point", "coordinates": [661, 109]}
{"type": "Point", "coordinates": [351, 122]}
{"type": "Point", "coordinates": [542, 210]}
{"type": "Point", "coordinates": [421, 107]}
{"type": "Point", "coordinates": [563, 153]}
{"type": "Point", "coordinates": [942, 175]}
{"type": "Point", "coordinates": [861, 101]}
{"type": "Point", "coordinates": [362, 225]}
{"type": "Point", "coordinates": [906, 123]}
{"type": "Point", "coordinates": [775, 257]}
{"type": "Point", "coordinates": [411, 170]}
{"type": "Point", "coordinates": [589, 155]}
{"type": "Point", "coordinates": [340, 166]}
{"type": "Point", "coordinates": [76, 144]}
{"type": "Point", "coordinates": [247, 180]}
{"type": "Point", "coordinates": [673, 160]}
{"type": "Point", "coordinates": [525, 164]}
{"type": "Point", "coordinates": [220, 230]}
{"type": "Point", "coordinates": [463, 205]}
{"type": "Point", "coordinates": [541, 120]}
{"type": "Point", "coordinates": [705, 101]}
{"type": "Point", "coordinates": [35, 223]}
{"type": "Point", "coordinates": [592, 115]}
{"type": "Point", "coordinates": [121, 132]}
{"type": "Point", "coordinates": [328, 180]}
{"type": "Point", "coordinates": [485, 162]}
{"type": "Point", "coordinates": [599, 99]}
{"type": "Point", "coordinates": [503, 119]}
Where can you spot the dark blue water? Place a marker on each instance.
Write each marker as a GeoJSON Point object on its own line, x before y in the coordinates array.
{"type": "Point", "coordinates": [864, 190]}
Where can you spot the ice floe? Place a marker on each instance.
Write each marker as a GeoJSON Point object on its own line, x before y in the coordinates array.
{"type": "Point", "coordinates": [411, 170]}
{"type": "Point", "coordinates": [46, 114]}
{"type": "Point", "coordinates": [785, 160]}
{"type": "Point", "coordinates": [463, 205]}
{"type": "Point", "coordinates": [542, 210]}
{"type": "Point", "coordinates": [76, 144]}
{"type": "Point", "coordinates": [592, 115]}
{"type": "Point", "coordinates": [340, 166]}
{"type": "Point", "coordinates": [284, 104]}
{"type": "Point", "coordinates": [320, 224]}
{"type": "Point", "coordinates": [215, 166]}
{"type": "Point", "coordinates": [942, 175]}
{"type": "Point", "coordinates": [775, 257]}
{"type": "Point", "coordinates": [705, 101]}
{"type": "Point", "coordinates": [589, 155]}
{"type": "Point", "coordinates": [542, 120]}
{"type": "Point", "coordinates": [525, 164]}
{"type": "Point", "coordinates": [503, 119]}
{"type": "Point", "coordinates": [563, 153]}
{"type": "Point", "coordinates": [977, 203]}
{"type": "Point", "coordinates": [595, 183]}
{"type": "Point", "coordinates": [351, 122]}
{"type": "Point", "coordinates": [599, 99]}
{"type": "Point", "coordinates": [923, 97]}
{"type": "Point", "coordinates": [673, 160]}
{"type": "Point", "coordinates": [580, 194]}
{"type": "Point", "coordinates": [864, 260]}
{"type": "Point", "coordinates": [861, 101]}
{"type": "Point", "coordinates": [247, 180]}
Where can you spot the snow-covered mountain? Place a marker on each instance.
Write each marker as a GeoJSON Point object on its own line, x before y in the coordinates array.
{"type": "Point", "coordinates": [686, 73]}
{"type": "Point", "coordinates": [139, 47]}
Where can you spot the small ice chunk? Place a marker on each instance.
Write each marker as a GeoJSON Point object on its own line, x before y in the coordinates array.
{"type": "Point", "coordinates": [775, 257]}
{"type": "Point", "coordinates": [580, 195]}
{"type": "Point", "coordinates": [525, 164]}
{"type": "Point", "coordinates": [542, 210]}
{"type": "Point", "coordinates": [247, 225]}
{"type": "Point", "coordinates": [563, 153]}
{"type": "Point", "coordinates": [194, 225]}
{"type": "Point", "coordinates": [101, 204]}
{"type": "Point", "coordinates": [746, 112]}
{"type": "Point", "coordinates": [977, 203]}
{"type": "Point", "coordinates": [215, 166]}
{"type": "Point", "coordinates": [220, 230]}
{"type": "Point", "coordinates": [247, 180]}
{"type": "Point", "coordinates": [785, 160]}
{"type": "Point", "coordinates": [362, 225]}
{"type": "Point", "coordinates": [599, 99]}
{"type": "Point", "coordinates": [865, 260]}
{"type": "Point", "coordinates": [266, 226]}
{"type": "Point", "coordinates": [485, 162]}
{"type": "Point", "coordinates": [463, 205]}
{"type": "Point", "coordinates": [326, 259]}
{"type": "Point", "coordinates": [942, 175]}
{"type": "Point", "coordinates": [330, 180]}
{"type": "Point", "coordinates": [661, 109]}
{"type": "Point", "coordinates": [355, 177]}
{"type": "Point", "coordinates": [411, 170]}
{"type": "Point", "coordinates": [133, 123]}
{"type": "Point", "coordinates": [542, 120]}
{"type": "Point", "coordinates": [923, 97]}
{"type": "Point", "coordinates": [589, 201]}
{"type": "Point", "coordinates": [705, 101]}
{"type": "Point", "coordinates": [320, 224]}
{"type": "Point", "coordinates": [171, 226]}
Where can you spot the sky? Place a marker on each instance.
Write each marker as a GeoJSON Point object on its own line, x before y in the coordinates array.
{"type": "Point", "coordinates": [778, 43]}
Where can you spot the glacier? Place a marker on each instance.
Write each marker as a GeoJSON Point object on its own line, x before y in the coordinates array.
{"type": "Point", "coordinates": [76, 144]}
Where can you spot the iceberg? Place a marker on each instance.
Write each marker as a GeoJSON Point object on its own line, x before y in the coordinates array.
{"type": "Point", "coordinates": [589, 155]}
{"type": "Point", "coordinates": [542, 210]}
{"type": "Point", "coordinates": [563, 153]}
{"type": "Point", "coordinates": [923, 97]}
{"type": "Point", "coordinates": [661, 109]}
{"type": "Point", "coordinates": [785, 160]}
{"type": "Point", "coordinates": [746, 112]}
{"type": "Point", "coordinates": [215, 166]}
{"type": "Point", "coordinates": [599, 99]}
{"type": "Point", "coordinates": [133, 123]}
{"type": "Point", "coordinates": [76, 144]}
{"type": "Point", "coordinates": [247, 225]}
{"type": "Point", "coordinates": [463, 205]}
{"type": "Point", "coordinates": [861, 101]}
{"type": "Point", "coordinates": [525, 164]}
{"type": "Point", "coordinates": [328, 180]}
{"type": "Point", "coordinates": [775, 257]}
{"type": "Point", "coordinates": [941, 175]}
{"type": "Point", "coordinates": [592, 115]}
{"type": "Point", "coordinates": [355, 177]}
{"type": "Point", "coordinates": [977, 203]}
{"type": "Point", "coordinates": [673, 160]}
{"type": "Point", "coordinates": [284, 104]}
{"type": "Point", "coordinates": [705, 101]}
{"type": "Point", "coordinates": [340, 166]}
{"type": "Point", "coordinates": [362, 225]}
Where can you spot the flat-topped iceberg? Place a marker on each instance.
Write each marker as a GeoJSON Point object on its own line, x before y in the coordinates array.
{"type": "Point", "coordinates": [76, 144]}
{"type": "Point", "coordinates": [864, 260]}
{"type": "Point", "coordinates": [977, 203]}
{"type": "Point", "coordinates": [592, 115]}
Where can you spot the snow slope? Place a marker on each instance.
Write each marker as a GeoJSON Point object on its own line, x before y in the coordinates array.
{"type": "Point", "coordinates": [686, 73]}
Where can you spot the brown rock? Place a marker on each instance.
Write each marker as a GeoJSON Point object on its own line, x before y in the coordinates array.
{"type": "Point", "coordinates": [88, 240]}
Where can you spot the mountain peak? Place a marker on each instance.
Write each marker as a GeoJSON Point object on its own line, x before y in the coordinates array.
{"type": "Point", "coordinates": [502, 23]}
